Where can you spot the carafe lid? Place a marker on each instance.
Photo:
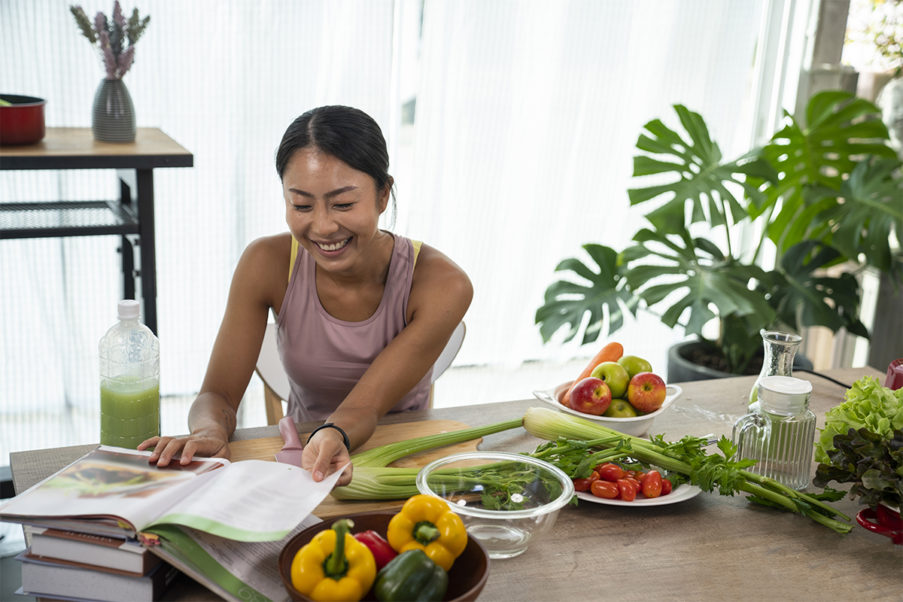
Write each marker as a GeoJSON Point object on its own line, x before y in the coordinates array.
{"type": "Point", "coordinates": [784, 394]}
{"type": "Point", "coordinates": [128, 309]}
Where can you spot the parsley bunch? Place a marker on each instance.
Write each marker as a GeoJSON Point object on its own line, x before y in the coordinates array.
{"type": "Point", "coordinates": [687, 457]}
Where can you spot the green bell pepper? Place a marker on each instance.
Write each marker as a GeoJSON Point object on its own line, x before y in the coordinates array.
{"type": "Point", "coordinates": [411, 576]}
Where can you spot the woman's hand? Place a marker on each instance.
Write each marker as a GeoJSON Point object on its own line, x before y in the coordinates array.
{"type": "Point", "coordinates": [325, 453]}
{"type": "Point", "coordinates": [205, 443]}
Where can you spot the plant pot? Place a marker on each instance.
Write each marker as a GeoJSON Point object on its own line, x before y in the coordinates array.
{"type": "Point", "coordinates": [682, 369]}
{"type": "Point", "coordinates": [113, 115]}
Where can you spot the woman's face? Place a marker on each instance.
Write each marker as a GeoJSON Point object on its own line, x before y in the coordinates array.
{"type": "Point", "coordinates": [331, 208]}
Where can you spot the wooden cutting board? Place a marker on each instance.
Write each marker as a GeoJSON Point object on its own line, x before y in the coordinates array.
{"type": "Point", "coordinates": [265, 449]}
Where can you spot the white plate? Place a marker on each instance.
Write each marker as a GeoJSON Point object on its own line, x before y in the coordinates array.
{"type": "Point", "coordinates": [682, 493]}
{"type": "Point", "coordinates": [637, 426]}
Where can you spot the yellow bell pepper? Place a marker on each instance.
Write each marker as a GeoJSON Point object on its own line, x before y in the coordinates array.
{"type": "Point", "coordinates": [334, 565]}
{"type": "Point", "coordinates": [427, 523]}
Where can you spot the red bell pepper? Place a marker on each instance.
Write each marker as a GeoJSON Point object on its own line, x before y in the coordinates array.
{"type": "Point", "coordinates": [382, 551]}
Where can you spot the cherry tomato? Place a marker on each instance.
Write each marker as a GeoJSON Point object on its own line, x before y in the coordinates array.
{"type": "Point", "coordinates": [584, 484]}
{"type": "Point", "coordinates": [666, 486]}
{"type": "Point", "coordinates": [627, 489]}
{"type": "Point", "coordinates": [636, 483]}
{"type": "Point", "coordinates": [606, 489]}
{"type": "Point", "coordinates": [611, 472]}
{"type": "Point", "coordinates": [652, 484]}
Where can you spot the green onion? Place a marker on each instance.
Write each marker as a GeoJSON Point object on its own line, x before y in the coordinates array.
{"type": "Point", "coordinates": [375, 480]}
{"type": "Point", "coordinates": [386, 454]}
{"type": "Point", "coordinates": [686, 457]}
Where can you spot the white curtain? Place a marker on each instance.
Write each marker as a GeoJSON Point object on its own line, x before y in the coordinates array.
{"type": "Point", "coordinates": [519, 152]}
{"type": "Point", "coordinates": [526, 120]}
{"type": "Point", "coordinates": [224, 79]}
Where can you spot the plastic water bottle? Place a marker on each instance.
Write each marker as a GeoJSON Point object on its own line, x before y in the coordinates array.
{"type": "Point", "coordinates": [129, 380]}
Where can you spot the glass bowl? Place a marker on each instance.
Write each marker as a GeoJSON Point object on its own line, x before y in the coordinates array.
{"type": "Point", "coordinates": [505, 499]}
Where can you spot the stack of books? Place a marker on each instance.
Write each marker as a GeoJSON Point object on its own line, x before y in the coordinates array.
{"type": "Point", "coordinates": [68, 564]}
{"type": "Point", "coordinates": [112, 526]}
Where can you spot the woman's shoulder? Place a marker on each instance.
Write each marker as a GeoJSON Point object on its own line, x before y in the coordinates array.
{"type": "Point", "coordinates": [436, 274]}
{"type": "Point", "coordinates": [265, 261]}
{"type": "Point", "coordinates": [270, 248]}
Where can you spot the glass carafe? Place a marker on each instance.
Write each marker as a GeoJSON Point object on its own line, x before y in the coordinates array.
{"type": "Point", "coordinates": [780, 432]}
{"type": "Point", "coordinates": [780, 349]}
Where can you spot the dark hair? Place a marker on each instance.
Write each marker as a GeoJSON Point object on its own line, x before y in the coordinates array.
{"type": "Point", "coordinates": [346, 133]}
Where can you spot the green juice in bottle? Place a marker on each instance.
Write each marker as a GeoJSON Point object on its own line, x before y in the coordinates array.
{"type": "Point", "coordinates": [129, 381]}
{"type": "Point", "coordinates": [128, 413]}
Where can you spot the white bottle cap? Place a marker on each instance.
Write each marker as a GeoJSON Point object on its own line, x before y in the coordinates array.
{"type": "Point", "coordinates": [785, 393]}
{"type": "Point", "coordinates": [129, 309]}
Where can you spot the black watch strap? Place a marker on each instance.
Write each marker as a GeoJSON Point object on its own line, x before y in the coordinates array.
{"type": "Point", "coordinates": [330, 425]}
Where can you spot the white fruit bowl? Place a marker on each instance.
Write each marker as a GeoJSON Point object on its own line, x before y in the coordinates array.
{"type": "Point", "coordinates": [638, 426]}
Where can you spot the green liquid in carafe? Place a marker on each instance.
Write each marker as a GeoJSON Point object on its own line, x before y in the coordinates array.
{"type": "Point", "coordinates": [129, 414]}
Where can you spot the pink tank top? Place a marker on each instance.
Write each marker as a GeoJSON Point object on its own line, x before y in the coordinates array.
{"type": "Point", "coordinates": [323, 356]}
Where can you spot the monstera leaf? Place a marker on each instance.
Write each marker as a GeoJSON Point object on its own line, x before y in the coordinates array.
{"type": "Point", "coordinates": [814, 160]}
{"type": "Point", "coordinates": [698, 280]}
{"type": "Point", "coordinates": [872, 210]}
{"type": "Point", "coordinates": [807, 297]}
{"type": "Point", "coordinates": [826, 190]}
{"type": "Point", "coordinates": [699, 177]}
{"type": "Point", "coordinates": [598, 291]}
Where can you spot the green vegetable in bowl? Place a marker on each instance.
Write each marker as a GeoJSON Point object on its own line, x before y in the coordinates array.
{"type": "Point", "coordinates": [871, 462]}
{"type": "Point", "coordinates": [868, 405]}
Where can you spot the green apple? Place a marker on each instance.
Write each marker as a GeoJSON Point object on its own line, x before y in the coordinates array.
{"type": "Point", "coordinates": [620, 408]}
{"type": "Point", "coordinates": [615, 376]}
{"type": "Point", "coordinates": [635, 365]}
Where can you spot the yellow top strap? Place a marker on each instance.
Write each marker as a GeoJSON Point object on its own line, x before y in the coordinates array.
{"type": "Point", "coordinates": [291, 264]}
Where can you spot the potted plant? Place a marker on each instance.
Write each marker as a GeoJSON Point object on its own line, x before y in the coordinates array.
{"type": "Point", "coordinates": [825, 191]}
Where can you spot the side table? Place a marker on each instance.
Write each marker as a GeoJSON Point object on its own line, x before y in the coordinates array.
{"type": "Point", "coordinates": [131, 215]}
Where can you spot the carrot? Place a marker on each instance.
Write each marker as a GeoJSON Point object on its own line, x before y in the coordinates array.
{"type": "Point", "coordinates": [611, 352]}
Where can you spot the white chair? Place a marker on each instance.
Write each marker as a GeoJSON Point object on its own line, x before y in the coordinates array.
{"type": "Point", "coordinates": [276, 387]}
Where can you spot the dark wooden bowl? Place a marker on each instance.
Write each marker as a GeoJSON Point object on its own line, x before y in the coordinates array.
{"type": "Point", "coordinates": [465, 579]}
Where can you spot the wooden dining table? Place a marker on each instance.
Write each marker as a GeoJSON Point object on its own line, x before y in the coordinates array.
{"type": "Point", "coordinates": [708, 547]}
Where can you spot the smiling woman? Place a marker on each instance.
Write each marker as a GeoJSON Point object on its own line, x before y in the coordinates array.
{"type": "Point", "coordinates": [509, 126]}
{"type": "Point", "coordinates": [361, 313]}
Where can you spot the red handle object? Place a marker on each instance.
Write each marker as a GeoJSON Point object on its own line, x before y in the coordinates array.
{"type": "Point", "coordinates": [883, 521]}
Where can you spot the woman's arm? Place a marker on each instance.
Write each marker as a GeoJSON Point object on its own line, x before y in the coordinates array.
{"type": "Point", "coordinates": [440, 295]}
{"type": "Point", "coordinates": [259, 281]}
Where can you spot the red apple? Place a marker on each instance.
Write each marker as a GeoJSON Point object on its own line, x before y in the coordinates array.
{"type": "Point", "coordinates": [591, 396]}
{"type": "Point", "coordinates": [646, 392]}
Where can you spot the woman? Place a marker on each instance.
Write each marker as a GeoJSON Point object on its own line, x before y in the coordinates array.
{"type": "Point", "coordinates": [362, 314]}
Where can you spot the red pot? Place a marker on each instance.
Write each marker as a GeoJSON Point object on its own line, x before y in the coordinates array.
{"type": "Point", "coordinates": [23, 121]}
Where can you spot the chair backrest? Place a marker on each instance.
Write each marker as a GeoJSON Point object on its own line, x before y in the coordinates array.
{"type": "Point", "coordinates": [275, 381]}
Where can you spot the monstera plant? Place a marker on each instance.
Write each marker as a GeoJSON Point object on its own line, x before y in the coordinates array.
{"type": "Point", "coordinates": [749, 242]}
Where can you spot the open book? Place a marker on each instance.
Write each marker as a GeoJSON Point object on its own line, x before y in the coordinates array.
{"type": "Point", "coordinates": [116, 491]}
{"type": "Point", "coordinates": [221, 523]}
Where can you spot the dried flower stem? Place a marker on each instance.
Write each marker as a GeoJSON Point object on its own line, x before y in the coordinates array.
{"type": "Point", "coordinates": [111, 36]}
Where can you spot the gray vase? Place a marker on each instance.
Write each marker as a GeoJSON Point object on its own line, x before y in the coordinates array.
{"type": "Point", "coordinates": [890, 100]}
{"type": "Point", "coordinates": [113, 116]}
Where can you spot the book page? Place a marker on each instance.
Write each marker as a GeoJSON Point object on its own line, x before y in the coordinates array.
{"type": "Point", "coordinates": [234, 570]}
{"type": "Point", "coordinates": [114, 482]}
{"type": "Point", "coordinates": [253, 500]}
